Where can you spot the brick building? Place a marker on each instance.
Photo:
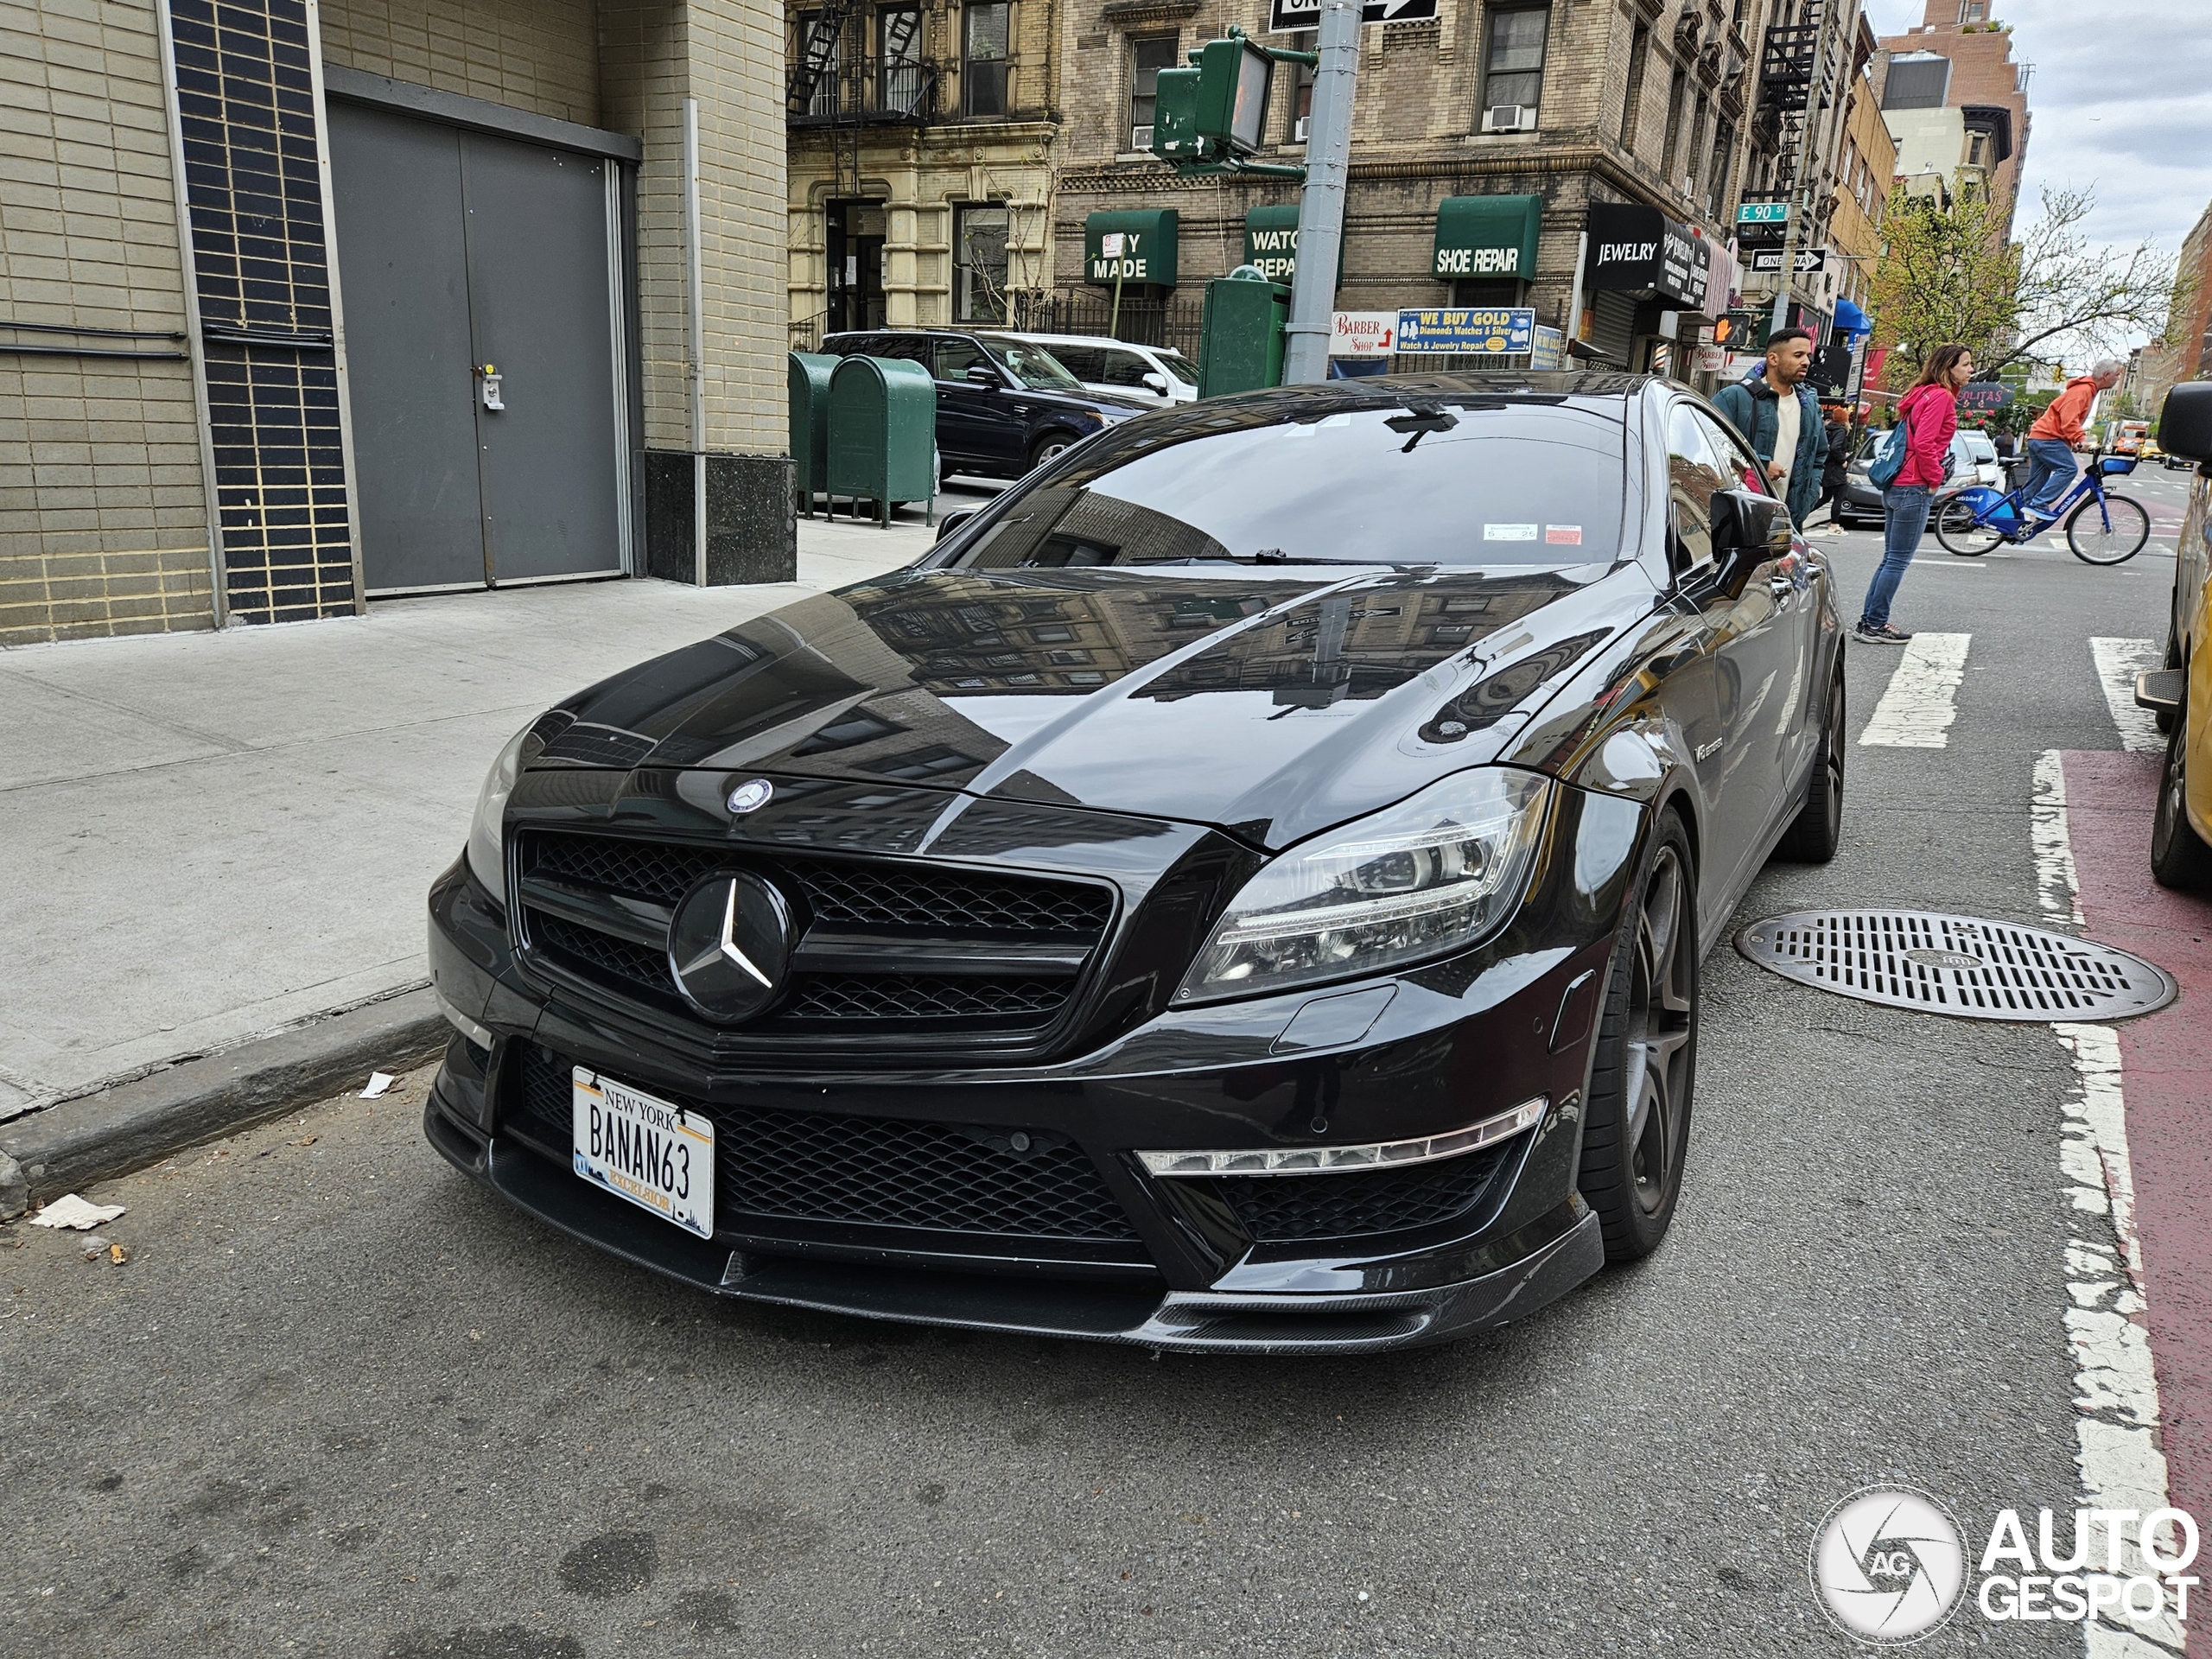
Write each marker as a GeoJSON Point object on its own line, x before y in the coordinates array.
{"type": "Point", "coordinates": [920, 161]}
{"type": "Point", "coordinates": [2183, 352]}
{"type": "Point", "coordinates": [435, 323]}
{"type": "Point", "coordinates": [1957, 104]}
{"type": "Point", "coordinates": [1485, 139]}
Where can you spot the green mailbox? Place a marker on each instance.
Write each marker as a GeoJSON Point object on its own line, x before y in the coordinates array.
{"type": "Point", "coordinates": [809, 393]}
{"type": "Point", "coordinates": [882, 434]}
{"type": "Point", "coordinates": [1242, 337]}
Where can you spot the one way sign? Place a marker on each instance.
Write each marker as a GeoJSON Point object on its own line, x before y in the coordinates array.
{"type": "Point", "coordinates": [1770, 259]}
{"type": "Point", "coordinates": [1285, 14]}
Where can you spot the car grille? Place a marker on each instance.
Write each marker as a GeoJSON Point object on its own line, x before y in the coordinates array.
{"type": "Point", "coordinates": [1281, 1209]}
{"type": "Point", "coordinates": [870, 1171]}
{"type": "Point", "coordinates": [921, 951]}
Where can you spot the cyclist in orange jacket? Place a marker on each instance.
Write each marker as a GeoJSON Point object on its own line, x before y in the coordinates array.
{"type": "Point", "coordinates": [2057, 434]}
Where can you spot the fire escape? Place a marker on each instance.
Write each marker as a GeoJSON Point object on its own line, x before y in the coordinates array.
{"type": "Point", "coordinates": [842, 90]}
{"type": "Point", "coordinates": [1795, 85]}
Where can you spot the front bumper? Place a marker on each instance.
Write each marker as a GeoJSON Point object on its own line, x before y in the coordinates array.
{"type": "Point", "coordinates": [1418, 1054]}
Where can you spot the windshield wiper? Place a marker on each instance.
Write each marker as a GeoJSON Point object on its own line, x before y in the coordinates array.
{"type": "Point", "coordinates": [1265, 555]}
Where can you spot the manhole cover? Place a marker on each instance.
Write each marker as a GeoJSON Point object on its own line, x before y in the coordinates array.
{"type": "Point", "coordinates": [1956, 964]}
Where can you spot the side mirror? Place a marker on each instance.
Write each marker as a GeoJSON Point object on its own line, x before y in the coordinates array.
{"type": "Point", "coordinates": [952, 521]}
{"type": "Point", "coordinates": [2185, 424]}
{"type": "Point", "coordinates": [981, 374]}
{"type": "Point", "coordinates": [1748, 529]}
{"type": "Point", "coordinates": [1157, 381]}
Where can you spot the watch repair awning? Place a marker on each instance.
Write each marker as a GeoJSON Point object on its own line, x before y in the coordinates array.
{"type": "Point", "coordinates": [1145, 252]}
{"type": "Point", "coordinates": [1639, 250]}
{"type": "Point", "coordinates": [1487, 235]}
{"type": "Point", "coordinates": [1271, 242]}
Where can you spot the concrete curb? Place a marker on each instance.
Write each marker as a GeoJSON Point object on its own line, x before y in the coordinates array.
{"type": "Point", "coordinates": [68, 1147]}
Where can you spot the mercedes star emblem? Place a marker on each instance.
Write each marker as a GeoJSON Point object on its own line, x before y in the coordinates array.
{"type": "Point", "coordinates": [751, 797]}
{"type": "Point", "coordinates": [729, 944]}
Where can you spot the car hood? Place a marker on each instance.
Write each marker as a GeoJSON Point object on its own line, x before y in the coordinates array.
{"type": "Point", "coordinates": [1269, 703]}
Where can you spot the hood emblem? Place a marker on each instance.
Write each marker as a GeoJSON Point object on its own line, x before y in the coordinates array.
{"type": "Point", "coordinates": [752, 797]}
{"type": "Point", "coordinates": [729, 944]}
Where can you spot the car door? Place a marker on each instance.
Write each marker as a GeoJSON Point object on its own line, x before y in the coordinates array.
{"type": "Point", "coordinates": [977, 426]}
{"type": "Point", "coordinates": [1082, 361]}
{"type": "Point", "coordinates": [1765, 635]}
{"type": "Point", "coordinates": [1124, 371]}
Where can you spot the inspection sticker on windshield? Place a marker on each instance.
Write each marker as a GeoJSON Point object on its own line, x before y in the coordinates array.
{"type": "Point", "coordinates": [1508, 532]}
{"type": "Point", "coordinates": [1568, 535]}
{"type": "Point", "coordinates": [655, 1154]}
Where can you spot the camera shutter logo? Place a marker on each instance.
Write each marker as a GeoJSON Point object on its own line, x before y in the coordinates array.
{"type": "Point", "coordinates": [1889, 1565]}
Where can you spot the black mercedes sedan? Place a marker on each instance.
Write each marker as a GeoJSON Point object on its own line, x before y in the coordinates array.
{"type": "Point", "coordinates": [1244, 889]}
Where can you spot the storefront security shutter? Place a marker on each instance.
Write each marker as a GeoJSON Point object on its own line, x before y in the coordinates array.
{"type": "Point", "coordinates": [1612, 325]}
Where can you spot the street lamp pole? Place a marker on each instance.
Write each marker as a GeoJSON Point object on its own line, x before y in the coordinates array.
{"type": "Point", "coordinates": [1321, 207]}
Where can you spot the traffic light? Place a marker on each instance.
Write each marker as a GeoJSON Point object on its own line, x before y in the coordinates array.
{"type": "Point", "coordinates": [1740, 331]}
{"type": "Point", "coordinates": [1217, 109]}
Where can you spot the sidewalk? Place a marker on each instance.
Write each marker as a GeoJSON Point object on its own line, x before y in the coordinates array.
{"type": "Point", "coordinates": [204, 837]}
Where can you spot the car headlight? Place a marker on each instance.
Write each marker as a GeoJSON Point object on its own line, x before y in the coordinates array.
{"type": "Point", "coordinates": [487, 852]}
{"type": "Point", "coordinates": [1431, 874]}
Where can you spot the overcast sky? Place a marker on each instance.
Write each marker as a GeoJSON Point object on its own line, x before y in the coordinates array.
{"type": "Point", "coordinates": [2121, 99]}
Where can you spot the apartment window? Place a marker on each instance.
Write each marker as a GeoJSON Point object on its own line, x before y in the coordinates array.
{"type": "Point", "coordinates": [829, 54]}
{"type": "Point", "coordinates": [983, 58]}
{"type": "Point", "coordinates": [1695, 166]}
{"type": "Point", "coordinates": [898, 53]}
{"type": "Point", "coordinates": [1301, 103]}
{"type": "Point", "coordinates": [1639, 57]}
{"type": "Point", "coordinates": [1513, 58]}
{"type": "Point", "coordinates": [979, 266]}
{"type": "Point", "coordinates": [1724, 164]}
{"type": "Point", "coordinates": [1675, 93]}
{"type": "Point", "coordinates": [1146, 59]}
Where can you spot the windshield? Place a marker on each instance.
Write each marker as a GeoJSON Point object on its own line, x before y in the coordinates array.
{"type": "Point", "coordinates": [1031, 366]}
{"type": "Point", "coordinates": [1978, 446]}
{"type": "Point", "coordinates": [1182, 368]}
{"type": "Point", "coordinates": [1452, 479]}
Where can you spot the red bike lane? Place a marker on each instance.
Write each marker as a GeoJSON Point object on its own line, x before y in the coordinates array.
{"type": "Point", "coordinates": [2167, 1077]}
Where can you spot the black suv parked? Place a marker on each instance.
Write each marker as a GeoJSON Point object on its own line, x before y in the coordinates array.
{"type": "Point", "coordinates": [1003, 405]}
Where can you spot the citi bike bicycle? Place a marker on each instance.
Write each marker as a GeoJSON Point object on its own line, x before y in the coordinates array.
{"type": "Point", "coordinates": [2101, 528]}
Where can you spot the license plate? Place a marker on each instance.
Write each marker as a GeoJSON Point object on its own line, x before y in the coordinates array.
{"type": "Point", "coordinates": [638, 1147]}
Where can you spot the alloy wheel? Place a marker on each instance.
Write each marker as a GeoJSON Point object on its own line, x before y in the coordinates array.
{"type": "Point", "coordinates": [1661, 1009]}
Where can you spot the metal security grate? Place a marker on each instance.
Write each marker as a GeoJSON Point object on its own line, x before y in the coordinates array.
{"type": "Point", "coordinates": [1961, 965]}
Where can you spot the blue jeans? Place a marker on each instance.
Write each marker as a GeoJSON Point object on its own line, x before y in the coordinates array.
{"type": "Point", "coordinates": [2050, 469]}
{"type": "Point", "coordinates": [1905, 521]}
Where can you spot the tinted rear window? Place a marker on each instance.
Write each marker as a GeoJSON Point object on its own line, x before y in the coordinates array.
{"type": "Point", "coordinates": [1448, 480]}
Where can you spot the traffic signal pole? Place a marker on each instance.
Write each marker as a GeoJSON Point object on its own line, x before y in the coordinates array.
{"type": "Point", "coordinates": [1321, 207]}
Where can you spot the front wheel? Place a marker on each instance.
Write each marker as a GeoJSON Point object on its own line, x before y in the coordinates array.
{"type": "Point", "coordinates": [1049, 448]}
{"type": "Point", "coordinates": [1637, 1124]}
{"type": "Point", "coordinates": [2179, 857]}
{"type": "Point", "coordinates": [2112, 537]}
{"type": "Point", "coordinates": [1957, 530]}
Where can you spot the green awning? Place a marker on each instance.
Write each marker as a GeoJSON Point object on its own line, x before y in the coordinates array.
{"type": "Point", "coordinates": [1271, 240]}
{"type": "Point", "coordinates": [1487, 235]}
{"type": "Point", "coordinates": [1147, 247]}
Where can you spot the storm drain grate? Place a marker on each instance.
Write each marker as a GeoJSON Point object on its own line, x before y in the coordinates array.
{"type": "Point", "coordinates": [1962, 965]}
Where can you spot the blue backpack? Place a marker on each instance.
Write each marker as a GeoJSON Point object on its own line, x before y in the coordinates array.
{"type": "Point", "coordinates": [1890, 454]}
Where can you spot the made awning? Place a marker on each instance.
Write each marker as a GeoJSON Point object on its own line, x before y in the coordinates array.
{"type": "Point", "coordinates": [1147, 247]}
{"type": "Point", "coordinates": [1487, 235]}
{"type": "Point", "coordinates": [1639, 250]}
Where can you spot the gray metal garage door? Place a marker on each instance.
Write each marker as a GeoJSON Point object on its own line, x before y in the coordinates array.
{"type": "Point", "coordinates": [460, 251]}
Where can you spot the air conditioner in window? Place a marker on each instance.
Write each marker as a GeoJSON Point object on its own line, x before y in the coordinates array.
{"type": "Point", "coordinates": [1298, 128]}
{"type": "Point", "coordinates": [1140, 138]}
{"type": "Point", "coordinates": [1509, 117]}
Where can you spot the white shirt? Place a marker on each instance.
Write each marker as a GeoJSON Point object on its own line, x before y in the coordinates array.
{"type": "Point", "coordinates": [1786, 415]}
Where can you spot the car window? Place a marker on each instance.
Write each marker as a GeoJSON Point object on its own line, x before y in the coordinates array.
{"type": "Point", "coordinates": [1081, 361]}
{"type": "Point", "coordinates": [1125, 369]}
{"type": "Point", "coordinates": [956, 357]}
{"type": "Point", "coordinates": [904, 348]}
{"type": "Point", "coordinates": [1734, 455]}
{"type": "Point", "coordinates": [1458, 479]}
{"type": "Point", "coordinates": [1182, 367]}
{"type": "Point", "coordinates": [1030, 366]}
{"type": "Point", "coordinates": [1694, 475]}
{"type": "Point", "coordinates": [1978, 445]}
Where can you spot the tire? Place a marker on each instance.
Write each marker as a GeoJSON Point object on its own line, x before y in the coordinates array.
{"type": "Point", "coordinates": [1050, 447]}
{"type": "Point", "coordinates": [2093, 544]}
{"type": "Point", "coordinates": [1813, 836]}
{"type": "Point", "coordinates": [2179, 858]}
{"type": "Point", "coordinates": [1957, 531]}
{"type": "Point", "coordinates": [1635, 1126]}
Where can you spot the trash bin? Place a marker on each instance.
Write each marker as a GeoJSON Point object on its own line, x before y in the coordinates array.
{"type": "Point", "coordinates": [883, 435]}
{"type": "Point", "coordinates": [810, 395]}
{"type": "Point", "coordinates": [1241, 334]}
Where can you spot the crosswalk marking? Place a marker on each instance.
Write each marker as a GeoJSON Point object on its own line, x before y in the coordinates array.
{"type": "Point", "coordinates": [2119, 661]}
{"type": "Point", "coordinates": [1917, 709]}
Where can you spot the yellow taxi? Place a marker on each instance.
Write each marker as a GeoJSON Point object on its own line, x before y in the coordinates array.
{"type": "Point", "coordinates": [2181, 693]}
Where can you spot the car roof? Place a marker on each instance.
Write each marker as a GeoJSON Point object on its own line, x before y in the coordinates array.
{"type": "Point", "coordinates": [1032, 336]}
{"type": "Point", "coordinates": [1583, 385]}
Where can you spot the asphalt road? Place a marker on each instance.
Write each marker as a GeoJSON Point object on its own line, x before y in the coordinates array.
{"type": "Point", "coordinates": [340, 1401]}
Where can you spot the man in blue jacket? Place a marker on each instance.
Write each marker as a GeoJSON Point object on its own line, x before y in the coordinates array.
{"type": "Point", "coordinates": [1780, 418]}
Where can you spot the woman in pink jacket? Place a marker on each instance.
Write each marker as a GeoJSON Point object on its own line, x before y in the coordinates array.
{"type": "Point", "coordinates": [1930, 411]}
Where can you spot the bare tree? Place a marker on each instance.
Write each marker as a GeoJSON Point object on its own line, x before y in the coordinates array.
{"type": "Point", "coordinates": [1949, 274]}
